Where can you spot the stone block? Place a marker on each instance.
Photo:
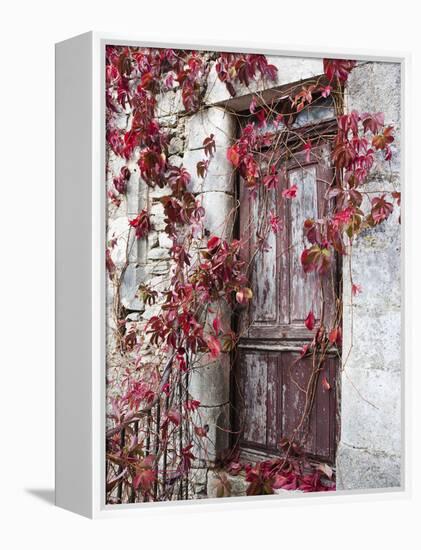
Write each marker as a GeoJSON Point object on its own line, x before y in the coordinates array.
{"type": "Point", "coordinates": [157, 216]}
{"type": "Point", "coordinates": [164, 241]}
{"type": "Point", "coordinates": [216, 121]}
{"type": "Point", "coordinates": [158, 253]}
{"type": "Point", "coordinates": [119, 231]}
{"type": "Point", "coordinates": [371, 408]}
{"type": "Point", "coordinates": [217, 420]}
{"type": "Point", "coordinates": [219, 177]}
{"type": "Point", "coordinates": [157, 268]}
{"type": "Point", "coordinates": [153, 240]}
{"type": "Point", "coordinates": [219, 213]}
{"type": "Point", "coordinates": [363, 469]}
{"type": "Point", "coordinates": [237, 484]}
{"type": "Point", "coordinates": [133, 276]}
{"type": "Point", "coordinates": [169, 103]}
{"type": "Point", "coordinates": [209, 383]}
{"type": "Point", "coordinates": [175, 146]}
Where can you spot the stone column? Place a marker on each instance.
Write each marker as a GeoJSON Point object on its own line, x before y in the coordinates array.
{"type": "Point", "coordinates": [209, 383]}
{"type": "Point", "coordinates": [369, 454]}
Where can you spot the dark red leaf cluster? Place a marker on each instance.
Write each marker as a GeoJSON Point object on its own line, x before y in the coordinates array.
{"type": "Point", "coordinates": [243, 68]}
{"type": "Point", "coordinates": [338, 69]}
{"type": "Point", "coordinates": [141, 224]}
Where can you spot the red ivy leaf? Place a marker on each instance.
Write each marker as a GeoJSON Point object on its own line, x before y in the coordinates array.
{"type": "Point", "coordinates": [326, 91]}
{"type": "Point", "coordinates": [201, 431]}
{"type": "Point", "coordinates": [174, 417]}
{"type": "Point", "coordinates": [325, 384]}
{"type": "Point", "coordinates": [213, 242]}
{"type": "Point", "coordinates": [214, 346]}
{"type": "Point", "coordinates": [209, 145]}
{"type": "Point", "coordinates": [290, 193]}
{"type": "Point", "coordinates": [202, 168]}
{"type": "Point", "coordinates": [141, 224]}
{"type": "Point", "coordinates": [338, 68]}
{"type": "Point", "coordinates": [244, 295]}
{"type": "Point", "coordinates": [233, 155]}
{"type": "Point", "coordinates": [191, 405]}
{"type": "Point", "coordinates": [381, 209]}
{"type": "Point", "coordinates": [310, 321]}
{"type": "Point", "coordinates": [381, 141]}
{"type": "Point", "coordinates": [144, 479]}
{"type": "Point", "coordinates": [216, 323]}
{"type": "Point", "coordinates": [316, 258]}
{"type": "Point", "coordinates": [335, 335]}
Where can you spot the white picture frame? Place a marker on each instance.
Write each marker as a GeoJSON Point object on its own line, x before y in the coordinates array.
{"type": "Point", "coordinates": [80, 278]}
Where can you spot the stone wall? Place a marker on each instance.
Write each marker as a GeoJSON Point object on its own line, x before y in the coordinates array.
{"type": "Point", "coordinates": [370, 449]}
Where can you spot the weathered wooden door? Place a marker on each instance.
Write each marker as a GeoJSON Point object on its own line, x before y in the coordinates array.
{"type": "Point", "coordinates": [270, 374]}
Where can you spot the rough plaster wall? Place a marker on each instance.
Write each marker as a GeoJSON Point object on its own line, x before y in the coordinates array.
{"type": "Point", "coordinates": [369, 454]}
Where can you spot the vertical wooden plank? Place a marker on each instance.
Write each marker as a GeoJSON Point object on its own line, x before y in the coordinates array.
{"type": "Point", "coordinates": [324, 413]}
{"type": "Point", "coordinates": [284, 317]}
{"type": "Point", "coordinates": [255, 396]}
{"type": "Point", "coordinates": [245, 218]}
{"type": "Point", "coordinates": [264, 304]}
{"type": "Point", "coordinates": [304, 287]}
{"type": "Point", "coordinates": [330, 281]}
{"type": "Point", "coordinates": [273, 401]}
{"type": "Point", "coordinates": [295, 372]}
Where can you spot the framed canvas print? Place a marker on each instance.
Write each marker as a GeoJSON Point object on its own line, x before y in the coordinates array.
{"type": "Point", "coordinates": [229, 281]}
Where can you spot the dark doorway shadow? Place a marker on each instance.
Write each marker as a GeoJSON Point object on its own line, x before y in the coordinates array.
{"type": "Point", "coordinates": [47, 495]}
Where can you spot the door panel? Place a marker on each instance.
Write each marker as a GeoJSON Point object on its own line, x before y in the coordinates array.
{"type": "Point", "coordinates": [270, 374]}
{"type": "Point", "coordinates": [271, 404]}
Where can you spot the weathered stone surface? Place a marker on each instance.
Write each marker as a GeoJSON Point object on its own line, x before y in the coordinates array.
{"type": "Point", "coordinates": [219, 177]}
{"type": "Point", "coordinates": [374, 87]}
{"type": "Point", "coordinates": [132, 277]}
{"type": "Point", "coordinates": [238, 484]}
{"type": "Point", "coordinates": [219, 216]}
{"type": "Point", "coordinates": [371, 391]}
{"type": "Point", "coordinates": [214, 120]}
{"type": "Point", "coordinates": [150, 311]}
{"type": "Point", "coordinates": [137, 191]}
{"type": "Point", "coordinates": [169, 104]}
{"type": "Point", "coordinates": [165, 241]}
{"type": "Point", "coordinates": [369, 451]}
{"type": "Point", "coordinates": [153, 239]}
{"type": "Point", "coordinates": [118, 232]}
{"type": "Point", "coordinates": [217, 421]}
{"type": "Point", "coordinates": [157, 268]}
{"type": "Point", "coordinates": [210, 383]}
{"type": "Point", "coordinates": [175, 160]}
{"type": "Point", "coordinates": [158, 254]}
{"type": "Point", "coordinates": [169, 121]}
{"type": "Point", "coordinates": [199, 481]}
{"type": "Point", "coordinates": [157, 216]}
{"type": "Point", "coordinates": [175, 146]}
{"type": "Point", "coordinates": [367, 469]}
